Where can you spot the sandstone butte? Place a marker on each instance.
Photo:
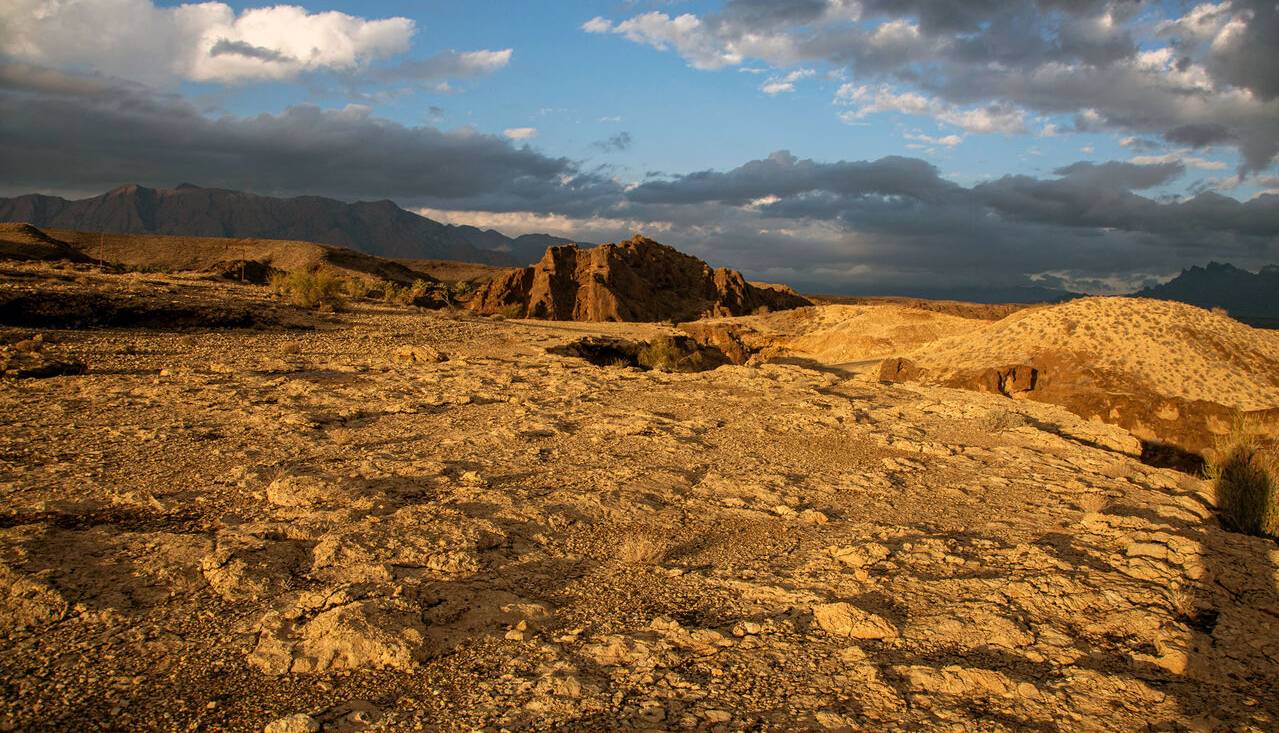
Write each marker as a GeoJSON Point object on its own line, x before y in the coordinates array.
{"type": "Point", "coordinates": [634, 280]}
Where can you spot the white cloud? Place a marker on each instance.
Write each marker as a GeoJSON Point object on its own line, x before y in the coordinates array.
{"type": "Point", "coordinates": [1087, 150]}
{"type": "Point", "coordinates": [1180, 157]}
{"type": "Point", "coordinates": [685, 33]}
{"type": "Point", "coordinates": [883, 99]}
{"type": "Point", "coordinates": [782, 84]}
{"type": "Point", "coordinates": [611, 118]}
{"type": "Point", "coordinates": [520, 133]}
{"type": "Point", "coordinates": [135, 39]}
{"type": "Point", "coordinates": [515, 223]}
{"type": "Point", "coordinates": [949, 141]}
{"type": "Point", "coordinates": [597, 25]}
{"type": "Point", "coordinates": [1049, 130]}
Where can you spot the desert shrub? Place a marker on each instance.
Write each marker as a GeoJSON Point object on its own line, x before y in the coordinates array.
{"type": "Point", "coordinates": [1245, 478]}
{"type": "Point", "coordinates": [1220, 311]}
{"type": "Point", "coordinates": [392, 293]}
{"type": "Point", "coordinates": [640, 549]}
{"type": "Point", "coordinates": [419, 291]}
{"type": "Point", "coordinates": [679, 354]}
{"type": "Point", "coordinates": [309, 289]}
{"type": "Point", "coordinates": [358, 287]}
{"type": "Point", "coordinates": [511, 310]}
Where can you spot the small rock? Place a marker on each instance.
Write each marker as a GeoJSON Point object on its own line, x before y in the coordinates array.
{"type": "Point", "coordinates": [296, 723]}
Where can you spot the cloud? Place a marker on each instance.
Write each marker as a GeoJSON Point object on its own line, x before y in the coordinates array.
{"type": "Point", "coordinates": [949, 141]}
{"type": "Point", "coordinates": [138, 40]}
{"type": "Point", "coordinates": [520, 133]}
{"type": "Point", "coordinates": [446, 65]}
{"type": "Point", "coordinates": [62, 131]}
{"type": "Point", "coordinates": [614, 143]}
{"type": "Point", "coordinates": [785, 83]}
{"type": "Point", "coordinates": [1180, 157]}
{"type": "Point", "coordinates": [1210, 76]}
{"type": "Point", "coordinates": [893, 223]}
{"type": "Point", "coordinates": [992, 119]}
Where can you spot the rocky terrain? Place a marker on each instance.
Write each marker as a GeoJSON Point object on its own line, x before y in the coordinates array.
{"type": "Point", "coordinates": [393, 519]}
{"type": "Point", "coordinates": [634, 280]}
{"type": "Point", "coordinates": [1168, 372]}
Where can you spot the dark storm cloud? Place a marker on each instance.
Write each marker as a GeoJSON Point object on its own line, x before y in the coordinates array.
{"type": "Point", "coordinates": [1251, 60]}
{"type": "Point", "coordinates": [1200, 135]}
{"type": "Point", "coordinates": [64, 131]}
{"type": "Point", "coordinates": [783, 175]}
{"type": "Point", "coordinates": [226, 47]}
{"type": "Point", "coordinates": [842, 225]}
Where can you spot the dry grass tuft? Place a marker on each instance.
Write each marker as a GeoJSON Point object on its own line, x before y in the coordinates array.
{"type": "Point", "coordinates": [1245, 479]}
{"type": "Point", "coordinates": [641, 549]}
{"type": "Point", "coordinates": [1093, 503]}
{"type": "Point", "coordinates": [310, 289]}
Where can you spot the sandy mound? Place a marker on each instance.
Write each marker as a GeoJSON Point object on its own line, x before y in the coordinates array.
{"type": "Point", "coordinates": [1171, 349]}
{"type": "Point", "coordinates": [834, 334]}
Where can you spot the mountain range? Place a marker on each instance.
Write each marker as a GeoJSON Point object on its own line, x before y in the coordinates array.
{"type": "Point", "coordinates": [1247, 296]}
{"type": "Point", "coordinates": [375, 227]}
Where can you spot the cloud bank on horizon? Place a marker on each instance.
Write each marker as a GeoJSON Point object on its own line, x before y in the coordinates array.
{"type": "Point", "coordinates": [1088, 144]}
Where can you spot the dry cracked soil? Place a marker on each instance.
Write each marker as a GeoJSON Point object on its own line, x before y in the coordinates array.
{"type": "Point", "coordinates": [408, 520]}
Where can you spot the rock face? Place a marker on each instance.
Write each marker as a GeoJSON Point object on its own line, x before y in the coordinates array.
{"type": "Point", "coordinates": [634, 280]}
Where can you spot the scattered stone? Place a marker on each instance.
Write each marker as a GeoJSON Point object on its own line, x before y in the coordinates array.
{"type": "Point", "coordinates": [296, 723]}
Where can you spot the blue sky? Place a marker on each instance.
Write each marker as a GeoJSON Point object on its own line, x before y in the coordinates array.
{"type": "Point", "coordinates": [833, 143]}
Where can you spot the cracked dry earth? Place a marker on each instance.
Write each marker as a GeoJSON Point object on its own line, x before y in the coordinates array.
{"type": "Point", "coordinates": [212, 530]}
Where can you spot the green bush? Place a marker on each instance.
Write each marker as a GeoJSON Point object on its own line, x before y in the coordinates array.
{"type": "Point", "coordinates": [358, 287]}
{"type": "Point", "coordinates": [310, 289]}
{"type": "Point", "coordinates": [1245, 477]}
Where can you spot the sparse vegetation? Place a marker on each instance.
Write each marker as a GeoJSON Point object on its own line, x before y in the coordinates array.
{"type": "Point", "coordinates": [358, 287]}
{"type": "Point", "coordinates": [676, 354]}
{"type": "Point", "coordinates": [511, 310]}
{"type": "Point", "coordinates": [1000, 419]}
{"type": "Point", "coordinates": [640, 549]}
{"type": "Point", "coordinates": [310, 289]}
{"type": "Point", "coordinates": [1245, 478]}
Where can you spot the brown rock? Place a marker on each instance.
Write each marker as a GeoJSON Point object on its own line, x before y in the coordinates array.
{"type": "Point", "coordinates": [898, 369]}
{"type": "Point", "coordinates": [634, 280]}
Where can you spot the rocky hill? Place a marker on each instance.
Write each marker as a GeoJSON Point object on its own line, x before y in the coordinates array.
{"type": "Point", "coordinates": [155, 252]}
{"type": "Point", "coordinates": [25, 242]}
{"type": "Point", "coordinates": [375, 227]}
{"type": "Point", "coordinates": [1249, 297]}
{"type": "Point", "coordinates": [634, 280]}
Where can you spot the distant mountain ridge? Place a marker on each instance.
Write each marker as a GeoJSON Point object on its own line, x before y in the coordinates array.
{"type": "Point", "coordinates": [1249, 297]}
{"type": "Point", "coordinates": [375, 227]}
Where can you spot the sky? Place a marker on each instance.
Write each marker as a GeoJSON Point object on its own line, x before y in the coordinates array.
{"type": "Point", "coordinates": [836, 145]}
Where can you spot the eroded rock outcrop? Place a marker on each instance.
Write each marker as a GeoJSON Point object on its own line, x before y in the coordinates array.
{"type": "Point", "coordinates": [634, 280]}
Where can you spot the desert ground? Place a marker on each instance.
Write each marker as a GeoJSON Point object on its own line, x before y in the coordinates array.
{"type": "Point", "coordinates": [224, 513]}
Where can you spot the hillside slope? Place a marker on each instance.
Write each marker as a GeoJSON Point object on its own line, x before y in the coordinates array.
{"type": "Point", "coordinates": [375, 227]}
{"type": "Point", "coordinates": [220, 254]}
